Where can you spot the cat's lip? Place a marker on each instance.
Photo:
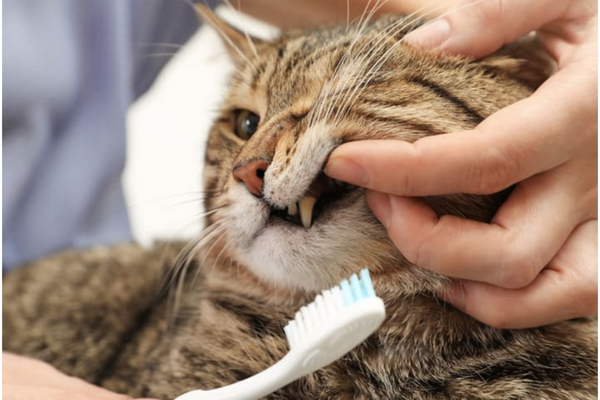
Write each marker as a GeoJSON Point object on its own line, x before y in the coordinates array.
{"type": "Point", "coordinates": [321, 192]}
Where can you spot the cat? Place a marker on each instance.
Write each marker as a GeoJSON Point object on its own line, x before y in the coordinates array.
{"type": "Point", "coordinates": [268, 247]}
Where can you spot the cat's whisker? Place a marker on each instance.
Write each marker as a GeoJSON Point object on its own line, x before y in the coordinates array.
{"type": "Point", "coordinates": [197, 200]}
{"type": "Point", "coordinates": [230, 42]}
{"type": "Point", "coordinates": [207, 253]}
{"type": "Point", "coordinates": [416, 16]}
{"type": "Point", "coordinates": [355, 74]}
{"type": "Point", "coordinates": [179, 288]}
{"type": "Point", "coordinates": [242, 79]}
{"type": "Point", "coordinates": [193, 192]}
{"type": "Point", "coordinates": [347, 15]}
{"type": "Point", "coordinates": [156, 55]}
{"type": "Point", "coordinates": [366, 17]}
{"type": "Point", "coordinates": [162, 199]}
{"type": "Point", "coordinates": [205, 214]}
{"type": "Point", "coordinates": [161, 44]}
{"type": "Point", "coordinates": [215, 263]}
{"type": "Point", "coordinates": [346, 62]}
{"type": "Point", "coordinates": [325, 89]}
{"type": "Point", "coordinates": [198, 218]}
{"type": "Point", "coordinates": [223, 251]}
{"type": "Point", "coordinates": [386, 34]}
{"type": "Point", "coordinates": [362, 15]}
{"type": "Point", "coordinates": [238, 11]}
{"type": "Point", "coordinates": [190, 248]}
{"type": "Point", "coordinates": [180, 268]}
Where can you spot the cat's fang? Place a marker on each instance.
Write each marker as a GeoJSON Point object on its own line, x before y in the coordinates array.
{"type": "Point", "coordinates": [305, 206]}
{"type": "Point", "coordinates": [292, 209]}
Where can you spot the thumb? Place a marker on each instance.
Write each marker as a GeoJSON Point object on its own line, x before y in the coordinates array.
{"type": "Point", "coordinates": [479, 27]}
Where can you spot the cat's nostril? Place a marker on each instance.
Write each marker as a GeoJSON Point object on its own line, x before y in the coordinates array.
{"type": "Point", "coordinates": [252, 174]}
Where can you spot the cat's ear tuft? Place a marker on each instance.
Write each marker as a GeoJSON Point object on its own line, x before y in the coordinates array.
{"type": "Point", "coordinates": [241, 46]}
{"type": "Point", "coordinates": [525, 60]}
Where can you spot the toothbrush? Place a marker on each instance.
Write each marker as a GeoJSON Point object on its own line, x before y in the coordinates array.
{"type": "Point", "coordinates": [338, 320]}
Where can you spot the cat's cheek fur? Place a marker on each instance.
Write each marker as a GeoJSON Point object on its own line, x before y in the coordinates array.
{"type": "Point", "coordinates": [245, 216]}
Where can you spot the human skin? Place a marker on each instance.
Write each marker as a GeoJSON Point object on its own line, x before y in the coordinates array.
{"type": "Point", "coordinates": [567, 286]}
{"type": "Point", "coordinates": [315, 12]}
{"type": "Point", "coordinates": [25, 378]}
{"type": "Point", "coordinates": [536, 262]}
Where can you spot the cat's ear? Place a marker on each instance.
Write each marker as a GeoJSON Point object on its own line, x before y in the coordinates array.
{"type": "Point", "coordinates": [524, 59]}
{"type": "Point", "coordinates": [241, 46]}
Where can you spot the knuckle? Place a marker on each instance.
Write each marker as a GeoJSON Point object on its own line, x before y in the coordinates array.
{"type": "Point", "coordinates": [413, 252]}
{"type": "Point", "coordinates": [498, 317]}
{"type": "Point", "coordinates": [425, 249]}
{"type": "Point", "coordinates": [490, 11]}
{"type": "Point", "coordinates": [492, 311]}
{"type": "Point", "coordinates": [407, 182]}
{"type": "Point", "coordinates": [520, 270]}
{"type": "Point", "coordinates": [416, 251]}
{"type": "Point", "coordinates": [496, 174]}
{"type": "Point", "coordinates": [581, 283]}
{"type": "Point", "coordinates": [404, 185]}
{"type": "Point", "coordinates": [487, 10]}
{"type": "Point", "coordinates": [588, 204]}
{"type": "Point", "coordinates": [423, 252]}
{"type": "Point", "coordinates": [486, 13]}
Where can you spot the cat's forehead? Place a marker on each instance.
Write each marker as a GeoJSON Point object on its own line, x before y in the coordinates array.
{"type": "Point", "coordinates": [314, 53]}
{"type": "Point", "coordinates": [297, 66]}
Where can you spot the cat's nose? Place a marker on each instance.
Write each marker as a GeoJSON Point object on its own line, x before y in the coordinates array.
{"type": "Point", "coordinates": [252, 175]}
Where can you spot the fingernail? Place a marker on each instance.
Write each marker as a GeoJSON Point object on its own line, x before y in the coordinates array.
{"type": "Point", "coordinates": [380, 204]}
{"type": "Point", "coordinates": [346, 170]}
{"type": "Point", "coordinates": [430, 36]}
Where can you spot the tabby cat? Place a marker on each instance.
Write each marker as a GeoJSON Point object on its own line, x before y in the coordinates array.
{"type": "Point", "coordinates": [269, 247]}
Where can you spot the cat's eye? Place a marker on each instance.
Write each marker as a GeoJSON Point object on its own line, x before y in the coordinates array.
{"type": "Point", "coordinates": [246, 123]}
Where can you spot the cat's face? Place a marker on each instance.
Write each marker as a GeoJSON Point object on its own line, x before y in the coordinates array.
{"type": "Point", "coordinates": [291, 102]}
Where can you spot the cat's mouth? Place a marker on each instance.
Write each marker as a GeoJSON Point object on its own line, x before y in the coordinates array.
{"type": "Point", "coordinates": [322, 192]}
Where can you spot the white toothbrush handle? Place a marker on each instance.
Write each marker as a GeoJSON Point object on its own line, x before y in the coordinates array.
{"type": "Point", "coordinates": [256, 386]}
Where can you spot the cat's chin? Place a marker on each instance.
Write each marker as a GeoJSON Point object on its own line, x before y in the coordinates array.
{"type": "Point", "coordinates": [341, 240]}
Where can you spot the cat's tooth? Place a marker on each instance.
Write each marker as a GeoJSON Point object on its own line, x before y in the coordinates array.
{"type": "Point", "coordinates": [305, 206]}
{"type": "Point", "coordinates": [292, 209]}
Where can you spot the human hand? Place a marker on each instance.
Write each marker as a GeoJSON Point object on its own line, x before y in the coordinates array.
{"type": "Point", "coordinates": [536, 262]}
{"type": "Point", "coordinates": [28, 379]}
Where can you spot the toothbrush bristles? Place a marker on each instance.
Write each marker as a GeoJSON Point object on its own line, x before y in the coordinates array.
{"type": "Point", "coordinates": [326, 304]}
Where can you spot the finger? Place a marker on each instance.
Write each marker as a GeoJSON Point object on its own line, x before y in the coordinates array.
{"type": "Point", "coordinates": [524, 139]}
{"type": "Point", "coordinates": [25, 392]}
{"type": "Point", "coordinates": [525, 234]}
{"type": "Point", "coordinates": [30, 372]}
{"type": "Point", "coordinates": [478, 28]}
{"type": "Point", "coordinates": [567, 288]}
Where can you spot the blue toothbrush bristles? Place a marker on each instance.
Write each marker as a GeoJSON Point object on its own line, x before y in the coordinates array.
{"type": "Point", "coordinates": [327, 304]}
{"type": "Point", "coordinates": [357, 289]}
{"type": "Point", "coordinates": [346, 292]}
{"type": "Point", "coordinates": [366, 283]}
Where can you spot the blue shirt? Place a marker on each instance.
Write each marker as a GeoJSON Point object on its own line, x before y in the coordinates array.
{"type": "Point", "coordinates": [71, 68]}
